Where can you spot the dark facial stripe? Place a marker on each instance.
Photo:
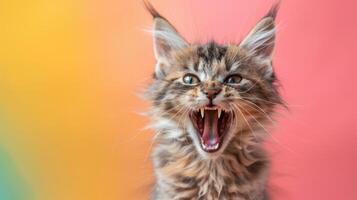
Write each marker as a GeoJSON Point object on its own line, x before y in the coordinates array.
{"type": "Point", "coordinates": [211, 51]}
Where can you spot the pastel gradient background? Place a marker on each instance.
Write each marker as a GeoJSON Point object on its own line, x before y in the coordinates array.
{"type": "Point", "coordinates": [70, 72]}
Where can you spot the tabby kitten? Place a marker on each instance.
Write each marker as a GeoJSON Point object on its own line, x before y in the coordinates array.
{"type": "Point", "coordinates": [210, 103]}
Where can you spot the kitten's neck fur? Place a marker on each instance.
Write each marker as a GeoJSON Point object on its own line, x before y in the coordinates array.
{"type": "Point", "coordinates": [182, 173]}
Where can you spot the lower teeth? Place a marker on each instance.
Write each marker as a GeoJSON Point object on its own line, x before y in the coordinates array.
{"type": "Point", "coordinates": [210, 147]}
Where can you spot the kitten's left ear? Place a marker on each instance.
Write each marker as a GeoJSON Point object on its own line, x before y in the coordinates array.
{"type": "Point", "coordinates": [260, 40]}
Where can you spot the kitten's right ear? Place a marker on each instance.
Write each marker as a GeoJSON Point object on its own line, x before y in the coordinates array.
{"type": "Point", "coordinates": [166, 39]}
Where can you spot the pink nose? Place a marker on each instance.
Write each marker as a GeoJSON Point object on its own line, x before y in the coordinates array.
{"type": "Point", "coordinates": [212, 93]}
{"type": "Point", "coordinates": [212, 89]}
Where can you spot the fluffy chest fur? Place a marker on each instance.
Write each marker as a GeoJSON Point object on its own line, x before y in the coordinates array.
{"type": "Point", "coordinates": [239, 173]}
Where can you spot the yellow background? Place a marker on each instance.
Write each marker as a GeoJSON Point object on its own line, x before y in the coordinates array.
{"type": "Point", "coordinates": [70, 72]}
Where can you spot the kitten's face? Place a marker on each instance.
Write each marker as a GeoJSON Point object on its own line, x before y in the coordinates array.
{"type": "Point", "coordinates": [213, 92]}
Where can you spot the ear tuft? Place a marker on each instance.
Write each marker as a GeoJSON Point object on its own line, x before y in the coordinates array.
{"type": "Point", "coordinates": [154, 13]}
{"type": "Point", "coordinates": [273, 12]}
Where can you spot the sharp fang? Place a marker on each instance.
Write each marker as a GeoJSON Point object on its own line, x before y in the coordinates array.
{"type": "Point", "coordinates": [219, 112]}
{"type": "Point", "coordinates": [202, 112]}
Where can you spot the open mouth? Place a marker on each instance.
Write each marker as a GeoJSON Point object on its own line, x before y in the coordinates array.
{"type": "Point", "coordinates": [211, 124]}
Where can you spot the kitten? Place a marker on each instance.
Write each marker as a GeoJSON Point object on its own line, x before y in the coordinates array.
{"type": "Point", "coordinates": [210, 103]}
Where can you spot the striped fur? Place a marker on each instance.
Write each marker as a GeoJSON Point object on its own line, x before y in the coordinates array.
{"type": "Point", "coordinates": [239, 169]}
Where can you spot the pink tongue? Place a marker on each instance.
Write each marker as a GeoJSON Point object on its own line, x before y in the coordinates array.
{"type": "Point", "coordinates": [210, 135]}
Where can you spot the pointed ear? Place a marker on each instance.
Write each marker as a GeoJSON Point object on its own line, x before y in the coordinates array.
{"type": "Point", "coordinates": [166, 40]}
{"type": "Point", "coordinates": [260, 40]}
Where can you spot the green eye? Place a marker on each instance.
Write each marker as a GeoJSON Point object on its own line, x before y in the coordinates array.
{"type": "Point", "coordinates": [190, 79]}
{"type": "Point", "coordinates": [233, 79]}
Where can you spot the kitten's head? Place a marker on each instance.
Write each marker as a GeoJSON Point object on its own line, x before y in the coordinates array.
{"type": "Point", "coordinates": [211, 93]}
